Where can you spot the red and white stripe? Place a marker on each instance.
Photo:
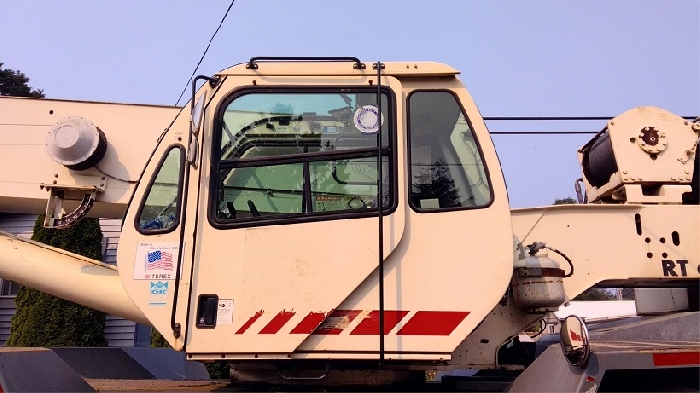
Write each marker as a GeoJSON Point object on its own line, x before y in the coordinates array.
{"type": "Point", "coordinates": [337, 322]}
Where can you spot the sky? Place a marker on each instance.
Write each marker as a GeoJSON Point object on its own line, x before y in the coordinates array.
{"type": "Point", "coordinates": [516, 58]}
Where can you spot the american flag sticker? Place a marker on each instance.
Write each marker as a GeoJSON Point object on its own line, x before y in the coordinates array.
{"type": "Point", "coordinates": [159, 260]}
{"type": "Point", "coordinates": [156, 261]}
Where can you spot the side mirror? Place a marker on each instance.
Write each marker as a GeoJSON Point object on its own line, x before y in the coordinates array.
{"type": "Point", "coordinates": [197, 110]}
{"type": "Point", "coordinates": [573, 339]}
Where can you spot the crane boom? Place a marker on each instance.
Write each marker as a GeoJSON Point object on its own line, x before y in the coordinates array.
{"type": "Point", "coordinates": [131, 132]}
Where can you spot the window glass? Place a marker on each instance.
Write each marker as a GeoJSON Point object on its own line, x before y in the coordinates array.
{"type": "Point", "coordinates": [301, 122]}
{"type": "Point", "coordinates": [447, 169]}
{"type": "Point", "coordinates": [161, 208]}
{"type": "Point", "coordinates": [347, 184]}
{"type": "Point", "coordinates": [251, 192]}
{"type": "Point", "coordinates": [297, 154]}
{"type": "Point", "coordinates": [9, 288]}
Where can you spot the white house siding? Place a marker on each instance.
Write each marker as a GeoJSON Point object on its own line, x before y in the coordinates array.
{"type": "Point", "coordinates": [119, 332]}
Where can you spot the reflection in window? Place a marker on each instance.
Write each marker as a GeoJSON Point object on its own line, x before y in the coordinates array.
{"type": "Point", "coordinates": [447, 170]}
{"type": "Point", "coordinates": [273, 190]}
{"type": "Point", "coordinates": [262, 191]}
{"type": "Point", "coordinates": [161, 208]}
{"type": "Point", "coordinates": [285, 155]}
{"type": "Point", "coordinates": [347, 184]}
{"type": "Point", "coordinates": [301, 122]}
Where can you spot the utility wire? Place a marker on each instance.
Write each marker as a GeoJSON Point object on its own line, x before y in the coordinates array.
{"type": "Point", "coordinates": [557, 118]}
{"type": "Point", "coordinates": [542, 132]}
{"type": "Point", "coordinates": [205, 53]}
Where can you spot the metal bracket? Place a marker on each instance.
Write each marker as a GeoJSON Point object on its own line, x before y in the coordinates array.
{"type": "Point", "coordinates": [56, 218]}
{"type": "Point", "coordinates": [253, 63]}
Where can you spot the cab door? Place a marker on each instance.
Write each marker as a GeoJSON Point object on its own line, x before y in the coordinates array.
{"type": "Point", "coordinates": [288, 215]}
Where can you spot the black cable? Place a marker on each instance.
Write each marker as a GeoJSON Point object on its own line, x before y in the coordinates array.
{"type": "Point", "coordinates": [114, 177]}
{"type": "Point", "coordinates": [205, 52]}
{"type": "Point", "coordinates": [565, 257]}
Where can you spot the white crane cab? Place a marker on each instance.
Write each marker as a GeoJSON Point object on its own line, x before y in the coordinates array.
{"type": "Point", "coordinates": [304, 208]}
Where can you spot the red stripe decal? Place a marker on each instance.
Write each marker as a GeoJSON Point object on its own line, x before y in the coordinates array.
{"type": "Point", "coordinates": [309, 323]}
{"type": "Point", "coordinates": [676, 358]}
{"type": "Point", "coordinates": [277, 322]}
{"type": "Point", "coordinates": [432, 323]}
{"type": "Point", "coordinates": [249, 322]}
{"type": "Point", "coordinates": [336, 322]}
{"type": "Point", "coordinates": [370, 325]}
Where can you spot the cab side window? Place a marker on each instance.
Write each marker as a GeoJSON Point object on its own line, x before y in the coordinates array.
{"type": "Point", "coordinates": [447, 170]}
{"type": "Point", "coordinates": [160, 209]}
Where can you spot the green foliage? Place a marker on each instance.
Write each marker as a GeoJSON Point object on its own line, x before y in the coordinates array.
{"type": "Point", "coordinates": [595, 294]}
{"type": "Point", "coordinates": [282, 108]}
{"type": "Point", "coordinates": [628, 293]}
{"type": "Point", "coordinates": [43, 320]}
{"type": "Point", "coordinates": [14, 83]}
{"type": "Point", "coordinates": [218, 370]}
{"type": "Point", "coordinates": [565, 201]}
{"type": "Point", "coordinates": [157, 340]}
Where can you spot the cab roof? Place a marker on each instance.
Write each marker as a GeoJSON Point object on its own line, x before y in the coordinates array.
{"type": "Point", "coordinates": [272, 66]}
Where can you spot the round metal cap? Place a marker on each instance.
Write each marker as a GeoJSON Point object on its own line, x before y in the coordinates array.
{"type": "Point", "coordinates": [72, 141]}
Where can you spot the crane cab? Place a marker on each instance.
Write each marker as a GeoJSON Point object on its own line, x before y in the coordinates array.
{"type": "Point", "coordinates": [327, 209]}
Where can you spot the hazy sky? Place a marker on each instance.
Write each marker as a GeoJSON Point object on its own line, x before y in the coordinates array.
{"type": "Point", "coordinates": [517, 58]}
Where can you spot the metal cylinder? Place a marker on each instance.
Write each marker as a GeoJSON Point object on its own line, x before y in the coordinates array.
{"type": "Point", "coordinates": [599, 161]}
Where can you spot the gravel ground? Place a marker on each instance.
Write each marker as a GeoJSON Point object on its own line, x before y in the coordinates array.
{"type": "Point", "coordinates": [121, 385]}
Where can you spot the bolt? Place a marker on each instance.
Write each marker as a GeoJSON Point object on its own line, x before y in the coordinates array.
{"type": "Point", "coordinates": [102, 178]}
{"type": "Point", "coordinates": [673, 178]}
{"type": "Point", "coordinates": [612, 123]}
{"type": "Point", "coordinates": [55, 175]}
{"type": "Point", "coordinates": [625, 172]}
{"type": "Point", "coordinates": [415, 66]}
{"type": "Point", "coordinates": [696, 127]}
{"type": "Point", "coordinates": [54, 182]}
{"type": "Point", "coordinates": [102, 185]}
{"type": "Point", "coordinates": [685, 122]}
{"type": "Point", "coordinates": [687, 178]}
{"type": "Point", "coordinates": [407, 66]}
{"type": "Point", "coordinates": [687, 171]}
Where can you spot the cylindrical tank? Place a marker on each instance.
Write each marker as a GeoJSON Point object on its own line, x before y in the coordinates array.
{"type": "Point", "coordinates": [76, 143]}
{"type": "Point", "coordinates": [538, 284]}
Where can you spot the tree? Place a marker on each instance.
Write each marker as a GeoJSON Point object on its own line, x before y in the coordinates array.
{"type": "Point", "coordinates": [595, 294]}
{"type": "Point", "coordinates": [43, 320]}
{"type": "Point", "coordinates": [565, 201]}
{"type": "Point", "coordinates": [15, 83]}
{"type": "Point", "coordinates": [628, 294]}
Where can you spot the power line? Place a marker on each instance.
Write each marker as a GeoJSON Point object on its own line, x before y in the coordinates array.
{"type": "Point", "coordinates": [558, 118]}
{"type": "Point", "coordinates": [542, 132]}
{"type": "Point", "coordinates": [205, 52]}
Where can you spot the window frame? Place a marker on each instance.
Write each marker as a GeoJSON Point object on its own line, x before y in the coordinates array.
{"type": "Point", "coordinates": [154, 175]}
{"type": "Point", "coordinates": [409, 147]}
{"type": "Point", "coordinates": [216, 164]}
